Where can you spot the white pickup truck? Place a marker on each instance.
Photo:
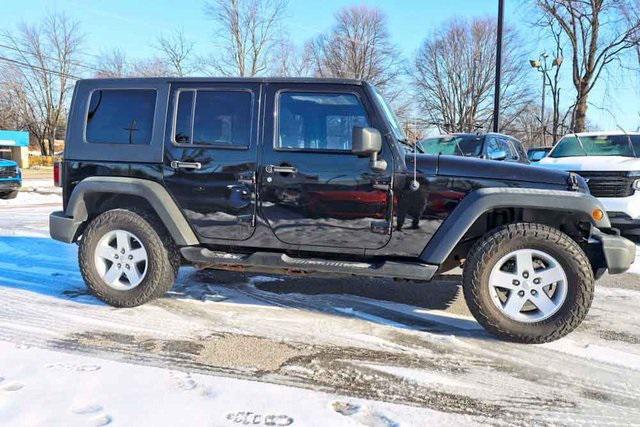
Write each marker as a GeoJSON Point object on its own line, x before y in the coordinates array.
{"type": "Point", "coordinates": [610, 163]}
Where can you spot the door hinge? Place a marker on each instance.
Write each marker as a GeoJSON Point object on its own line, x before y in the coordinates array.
{"type": "Point", "coordinates": [381, 227]}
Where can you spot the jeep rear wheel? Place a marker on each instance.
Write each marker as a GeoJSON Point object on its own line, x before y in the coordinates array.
{"type": "Point", "coordinates": [528, 283]}
{"type": "Point", "coordinates": [127, 258]}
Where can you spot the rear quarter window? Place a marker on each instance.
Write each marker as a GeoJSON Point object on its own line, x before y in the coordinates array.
{"type": "Point", "coordinates": [120, 116]}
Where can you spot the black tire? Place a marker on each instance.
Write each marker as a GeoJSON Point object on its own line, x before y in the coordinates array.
{"type": "Point", "coordinates": [498, 243]}
{"type": "Point", "coordinates": [163, 256]}
{"type": "Point", "coordinates": [9, 195]}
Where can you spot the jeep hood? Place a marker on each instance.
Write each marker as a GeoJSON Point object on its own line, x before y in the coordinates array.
{"type": "Point", "coordinates": [591, 163]}
{"type": "Point", "coordinates": [469, 167]}
{"type": "Point", "coordinates": [4, 163]}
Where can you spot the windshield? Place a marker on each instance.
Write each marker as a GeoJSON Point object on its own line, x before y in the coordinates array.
{"type": "Point", "coordinates": [455, 145]}
{"type": "Point", "coordinates": [600, 145]}
{"type": "Point", "coordinates": [398, 133]}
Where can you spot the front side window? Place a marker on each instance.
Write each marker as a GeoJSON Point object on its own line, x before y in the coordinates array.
{"type": "Point", "coordinates": [211, 117]}
{"type": "Point", "coordinates": [120, 116]}
{"type": "Point", "coordinates": [318, 121]}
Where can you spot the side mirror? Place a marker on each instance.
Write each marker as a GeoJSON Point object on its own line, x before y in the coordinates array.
{"type": "Point", "coordinates": [498, 155]}
{"type": "Point", "coordinates": [365, 141]}
{"type": "Point", "coordinates": [368, 142]}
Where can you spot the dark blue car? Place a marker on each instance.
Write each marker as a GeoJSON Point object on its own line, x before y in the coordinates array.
{"type": "Point", "coordinates": [10, 179]}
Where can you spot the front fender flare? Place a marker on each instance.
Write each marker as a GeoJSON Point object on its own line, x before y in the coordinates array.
{"type": "Point", "coordinates": [484, 200]}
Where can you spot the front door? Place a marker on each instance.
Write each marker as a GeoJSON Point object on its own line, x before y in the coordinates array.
{"type": "Point", "coordinates": [210, 157]}
{"type": "Point", "coordinates": [313, 190]}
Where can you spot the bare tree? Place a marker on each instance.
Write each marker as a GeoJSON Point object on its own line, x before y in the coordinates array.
{"type": "Point", "coordinates": [359, 47]}
{"type": "Point", "coordinates": [45, 56]}
{"type": "Point", "coordinates": [288, 60]}
{"type": "Point", "coordinates": [176, 51]}
{"type": "Point", "coordinates": [553, 80]}
{"type": "Point", "coordinates": [150, 67]}
{"type": "Point", "coordinates": [115, 64]}
{"type": "Point", "coordinates": [247, 31]}
{"type": "Point", "coordinates": [13, 111]}
{"type": "Point", "coordinates": [454, 76]}
{"type": "Point", "coordinates": [112, 63]}
{"type": "Point", "coordinates": [599, 32]}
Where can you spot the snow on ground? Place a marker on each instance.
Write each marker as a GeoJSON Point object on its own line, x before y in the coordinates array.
{"type": "Point", "coordinates": [635, 267]}
{"type": "Point", "coordinates": [43, 387]}
{"type": "Point", "coordinates": [231, 349]}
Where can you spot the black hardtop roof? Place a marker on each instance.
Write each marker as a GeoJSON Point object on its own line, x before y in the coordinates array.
{"type": "Point", "coordinates": [133, 80]}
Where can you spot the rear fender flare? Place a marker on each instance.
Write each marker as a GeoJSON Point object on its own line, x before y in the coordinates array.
{"type": "Point", "coordinates": [154, 193]}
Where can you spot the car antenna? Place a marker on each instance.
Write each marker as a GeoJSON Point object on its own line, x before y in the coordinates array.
{"type": "Point", "coordinates": [415, 185]}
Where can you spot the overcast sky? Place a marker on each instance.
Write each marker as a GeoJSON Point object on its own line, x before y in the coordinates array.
{"type": "Point", "coordinates": [133, 25]}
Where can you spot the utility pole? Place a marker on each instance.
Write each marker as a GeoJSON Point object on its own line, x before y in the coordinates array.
{"type": "Point", "coordinates": [496, 92]}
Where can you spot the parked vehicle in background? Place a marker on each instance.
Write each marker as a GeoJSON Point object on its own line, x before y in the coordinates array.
{"type": "Point", "coordinates": [536, 154]}
{"type": "Point", "coordinates": [610, 163]}
{"type": "Point", "coordinates": [491, 146]}
{"type": "Point", "coordinates": [314, 176]}
{"type": "Point", "coordinates": [10, 179]}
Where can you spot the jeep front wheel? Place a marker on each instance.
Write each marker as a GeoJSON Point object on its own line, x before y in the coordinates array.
{"type": "Point", "coordinates": [126, 258]}
{"type": "Point", "coordinates": [528, 283]}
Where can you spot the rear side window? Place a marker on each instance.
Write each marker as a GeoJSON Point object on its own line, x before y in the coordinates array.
{"type": "Point", "coordinates": [120, 116]}
{"type": "Point", "coordinates": [214, 117]}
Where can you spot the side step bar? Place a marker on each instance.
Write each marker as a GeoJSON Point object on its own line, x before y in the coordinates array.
{"type": "Point", "coordinates": [279, 263]}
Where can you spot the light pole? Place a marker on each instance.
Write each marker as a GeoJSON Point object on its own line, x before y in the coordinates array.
{"type": "Point", "coordinates": [496, 92]}
{"type": "Point", "coordinates": [542, 66]}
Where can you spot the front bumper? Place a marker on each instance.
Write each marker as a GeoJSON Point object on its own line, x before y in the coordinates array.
{"type": "Point", "coordinates": [623, 222]}
{"type": "Point", "coordinates": [10, 184]}
{"type": "Point", "coordinates": [62, 227]}
{"type": "Point", "coordinates": [619, 253]}
{"type": "Point", "coordinates": [624, 212]}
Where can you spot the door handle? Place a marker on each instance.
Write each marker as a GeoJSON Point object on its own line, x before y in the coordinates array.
{"type": "Point", "coordinates": [280, 169]}
{"type": "Point", "coordinates": [185, 165]}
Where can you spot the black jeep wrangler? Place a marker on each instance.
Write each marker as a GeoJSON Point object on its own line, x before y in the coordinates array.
{"type": "Point", "coordinates": [310, 176]}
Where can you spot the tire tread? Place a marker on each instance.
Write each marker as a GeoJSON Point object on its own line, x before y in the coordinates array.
{"type": "Point", "coordinates": [484, 249]}
{"type": "Point", "coordinates": [165, 252]}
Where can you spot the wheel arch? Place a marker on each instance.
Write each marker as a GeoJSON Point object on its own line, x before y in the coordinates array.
{"type": "Point", "coordinates": [488, 208]}
{"type": "Point", "coordinates": [96, 194]}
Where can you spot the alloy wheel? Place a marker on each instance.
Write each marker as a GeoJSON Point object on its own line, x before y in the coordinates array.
{"type": "Point", "coordinates": [528, 285]}
{"type": "Point", "coordinates": [121, 260]}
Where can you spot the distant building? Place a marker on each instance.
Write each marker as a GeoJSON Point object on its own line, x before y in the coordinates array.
{"type": "Point", "coordinates": [14, 145]}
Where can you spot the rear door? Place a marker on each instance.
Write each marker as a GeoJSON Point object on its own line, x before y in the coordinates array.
{"type": "Point", "coordinates": [210, 156]}
{"type": "Point", "coordinates": [313, 190]}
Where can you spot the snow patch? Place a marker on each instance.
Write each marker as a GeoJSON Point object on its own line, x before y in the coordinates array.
{"type": "Point", "coordinates": [635, 267]}
{"type": "Point", "coordinates": [596, 353]}
{"type": "Point", "coordinates": [121, 392]}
